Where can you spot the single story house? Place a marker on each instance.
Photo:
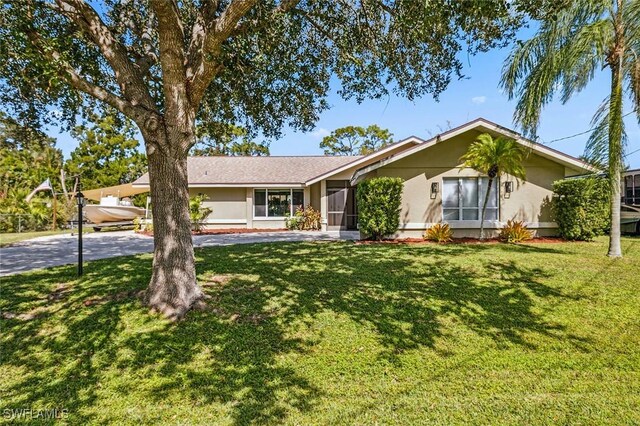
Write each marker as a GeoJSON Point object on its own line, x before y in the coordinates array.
{"type": "Point", "coordinates": [258, 192]}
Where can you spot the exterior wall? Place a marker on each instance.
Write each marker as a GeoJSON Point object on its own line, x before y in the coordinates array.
{"type": "Point", "coordinates": [315, 195]}
{"type": "Point", "coordinates": [529, 201]}
{"type": "Point", "coordinates": [233, 207]}
{"type": "Point", "coordinates": [228, 205]}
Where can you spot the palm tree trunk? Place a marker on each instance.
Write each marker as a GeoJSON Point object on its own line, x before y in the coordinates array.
{"type": "Point", "coordinates": [484, 207]}
{"type": "Point", "coordinates": [615, 157]}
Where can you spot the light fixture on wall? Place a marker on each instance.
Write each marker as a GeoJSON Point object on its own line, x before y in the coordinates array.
{"type": "Point", "coordinates": [435, 188]}
{"type": "Point", "coordinates": [508, 189]}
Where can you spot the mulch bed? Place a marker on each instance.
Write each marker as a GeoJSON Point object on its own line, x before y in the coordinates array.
{"type": "Point", "coordinates": [228, 231]}
{"type": "Point", "coordinates": [238, 231]}
{"type": "Point", "coordinates": [545, 240]}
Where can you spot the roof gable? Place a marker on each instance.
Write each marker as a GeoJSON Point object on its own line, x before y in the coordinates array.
{"type": "Point", "coordinates": [484, 125]}
{"type": "Point", "coordinates": [385, 152]}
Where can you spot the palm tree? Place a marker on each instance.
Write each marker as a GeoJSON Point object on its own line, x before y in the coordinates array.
{"type": "Point", "coordinates": [564, 55]}
{"type": "Point", "coordinates": [494, 157]}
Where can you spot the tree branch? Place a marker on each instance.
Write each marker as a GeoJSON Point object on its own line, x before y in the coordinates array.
{"type": "Point", "coordinates": [129, 78]}
{"type": "Point", "coordinates": [213, 35]}
{"type": "Point", "coordinates": [67, 72]}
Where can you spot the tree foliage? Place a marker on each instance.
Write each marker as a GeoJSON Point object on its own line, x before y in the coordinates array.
{"type": "Point", "coordinates": [379, 206]}
{"type": "Point", "coordinates": [562, 57]}
{"type": "Point", "coordinates": [355, 140]}
{"type": "Point", "coordinates": [27, 158]}
{"type": "Point", "coordinates": [108, 153]}
{"type": "Point", "coordinates": [197, 212]}
{"type": "Point", "coordinates": [262, 64]}
{"type": "Point", "coordinates": [494, 157]}
{"type": "Point", "coordinates": [234, 142]}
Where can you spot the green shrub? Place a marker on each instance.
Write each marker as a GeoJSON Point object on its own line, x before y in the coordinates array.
{"type": "Point", "coordinates": [304, 219]}
{"type": "Point", "coordinates": [580, 207]}
{"type": "Point", "coordinates": [440, 233]}
{"type": "Point", "coordinates": [379, 206]}
{"type": "Point", "coordinates": [197, 213]}
{"type": "Point", "coordinates": [515, 231]}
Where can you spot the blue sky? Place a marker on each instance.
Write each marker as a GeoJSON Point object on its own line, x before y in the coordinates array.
{"type": "Point", "coordinates": [478, 95]}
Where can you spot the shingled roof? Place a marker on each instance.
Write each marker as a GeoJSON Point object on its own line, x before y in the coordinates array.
{"type": "Point", "coordinates": [284, 170]}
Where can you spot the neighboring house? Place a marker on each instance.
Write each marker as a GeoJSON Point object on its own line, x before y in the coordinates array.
{"type": "Point", "coordinates": [258, 192]}
{"type": "Point", "coordinates": [631, 187]}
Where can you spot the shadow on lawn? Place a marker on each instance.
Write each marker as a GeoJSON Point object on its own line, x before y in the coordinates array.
{"type": "Point", "coordinates": [232, 355]}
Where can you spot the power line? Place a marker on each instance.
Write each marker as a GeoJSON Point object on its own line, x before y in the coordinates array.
{"type": "Point", "coordinates": [631, 153]}
{"type": "Point", "coordinates": [581, 133]}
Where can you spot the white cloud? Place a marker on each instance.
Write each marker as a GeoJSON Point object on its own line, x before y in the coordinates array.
{"type": "Point", "coordinates": [478, 99]}
{"type": "Point", "coordinates": [320, 133]}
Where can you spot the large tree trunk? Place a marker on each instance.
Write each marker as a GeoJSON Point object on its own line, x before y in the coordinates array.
{"type": "Point", "coordinates": [615, 155]}
{"type": "Point", "coordinates": [173, 289]}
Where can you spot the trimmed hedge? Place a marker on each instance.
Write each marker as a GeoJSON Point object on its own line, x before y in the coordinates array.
{"type": "Point", "coordinates": [379, 206]}
{"type": "Point", "coordinates": [580, 207]}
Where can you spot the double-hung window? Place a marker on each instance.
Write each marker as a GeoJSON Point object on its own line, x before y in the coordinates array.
{"type": "Point", "coordinates": [277, 203]}
{"type": "Point", "coordinates": [462, 199]}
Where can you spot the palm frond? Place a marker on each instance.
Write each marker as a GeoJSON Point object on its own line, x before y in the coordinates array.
{"type": "Point", "coordinates": [501, 155]}
{"type": "Point", "coordinates": [598, 144]}
{"type": "Point", "coordinates": [563, 55]}
{"type": "Point", "coordinates": [583, 56]}
{"type": "Point", "coordinates": [632, 71]}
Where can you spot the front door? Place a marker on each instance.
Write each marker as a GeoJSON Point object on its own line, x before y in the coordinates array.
{"type": "Point", "coordinates": [341, 205]}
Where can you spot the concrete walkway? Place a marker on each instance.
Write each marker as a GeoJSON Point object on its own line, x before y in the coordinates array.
{"type": "Point", "coordinates": [55, 250]}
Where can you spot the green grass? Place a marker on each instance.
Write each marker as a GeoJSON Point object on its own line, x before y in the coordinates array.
{"type": "Point", "coordinates": [7, 239]}
{"type": "Point", "coordinates": [335, 333]}
{"type": "Point", "coordinates": [14, 237]}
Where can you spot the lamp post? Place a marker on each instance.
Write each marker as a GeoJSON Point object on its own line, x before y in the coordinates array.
{"type": "Point", "coordinates": [80, 202]}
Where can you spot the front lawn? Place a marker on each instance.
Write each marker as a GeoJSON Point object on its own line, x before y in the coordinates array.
{"type": "Point", "coordinates": [335, 333]}
{"type": "Point", "coordinates": [15, 237]}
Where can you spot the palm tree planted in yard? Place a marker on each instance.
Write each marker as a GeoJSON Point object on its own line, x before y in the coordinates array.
{"type": "Point", "coordinates": [494, 157]}
{"type": "Point", "coordinates": [564, 55]}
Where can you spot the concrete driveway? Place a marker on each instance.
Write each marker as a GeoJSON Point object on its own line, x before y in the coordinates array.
{"type": "Point", "coordinates": [55, 250]}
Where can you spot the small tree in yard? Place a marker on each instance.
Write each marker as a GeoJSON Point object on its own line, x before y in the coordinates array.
{"type": "Point", "coordinates": [168, 65]}
{"type": "Point", "coordinates": [379, 206]}
{"type": "Point", "coordinates": [197, 213]}
{"type": "Point", "coordinates": [494, 157]}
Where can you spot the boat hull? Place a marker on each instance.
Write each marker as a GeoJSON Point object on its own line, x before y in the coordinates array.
{"type": "Point", "coordinates": [103, 214]}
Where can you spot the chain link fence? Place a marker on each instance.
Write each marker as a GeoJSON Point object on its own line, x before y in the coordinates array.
{"type": "Point", "coordinates": [10, 222]}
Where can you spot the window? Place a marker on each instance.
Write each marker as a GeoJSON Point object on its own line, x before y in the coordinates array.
{"type": "Point", "coordinates": [462, 199]}
{"type": "Point", "coordinates": [632, 189]}
{"type": "Point", "coordinates": [277, 202]}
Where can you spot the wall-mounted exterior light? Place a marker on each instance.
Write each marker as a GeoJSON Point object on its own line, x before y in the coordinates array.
{"type": "Point", "coordinates": [508, 189]}
{"type": "Point", "coordinates": [435, 188]}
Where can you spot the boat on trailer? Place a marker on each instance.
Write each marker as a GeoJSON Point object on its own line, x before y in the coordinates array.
{"type": "Point", "coordinates": [112, 211]}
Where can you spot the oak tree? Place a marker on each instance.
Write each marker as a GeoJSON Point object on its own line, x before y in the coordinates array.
{"type": "Point", "coordinates": [261, 64]}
